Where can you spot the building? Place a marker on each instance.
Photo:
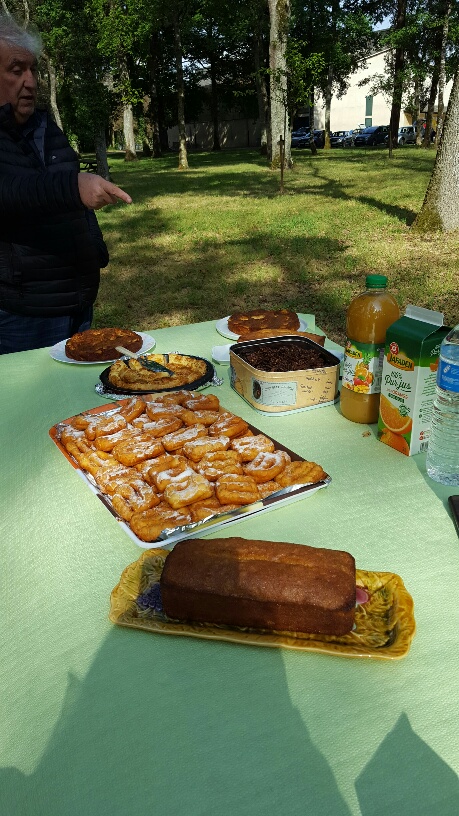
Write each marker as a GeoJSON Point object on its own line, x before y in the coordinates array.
{"type": "Point", "coordinates": [358, 107]}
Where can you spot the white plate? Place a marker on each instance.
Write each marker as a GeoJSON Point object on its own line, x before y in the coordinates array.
{"type": "Point", "coordinates": [221, 354]}
{"type": "Point", "coordinates": [222, 327]}
{"type": "Point", "coordinates": [57, 352]}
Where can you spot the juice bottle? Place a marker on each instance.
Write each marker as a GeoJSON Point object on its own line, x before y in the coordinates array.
{"type": "Point", "coordinates": [368, 317]}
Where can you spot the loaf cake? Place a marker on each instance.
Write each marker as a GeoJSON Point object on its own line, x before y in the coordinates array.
{"type": "Point", "coordinates": [261, 585]}
{"type": "Point", "coordinates": [242, 322]}
{"type": "Point", "coordinates": [98, 345]}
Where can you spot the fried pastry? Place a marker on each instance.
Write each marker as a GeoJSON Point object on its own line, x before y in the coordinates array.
{"type": "Point", "coordinates": [249, 447]}
{"type": "Point", "coordinates": [110, 474]}
{"type": "Point", "coordinates": [215, 463]}
{"type": "Point", "coordinates": [133, 409]}
{"type": "Point", "coordinates": [101, 425]}
{"type": "Point", "coordinates": [163, 426]}
{"type": "Point", "coordinates": [205, 509]}
{"type": "Point", "coordinates": [197, 448]}
{"type": "Point", "coordinates": [183, 491]}
{"type": "Point", "coordinates": [107, 443]}
{"type": "Point", "coordinates": [202, 402]}
{"type": "Point", "coordinates": [300, 473]}
{"type": "Point", "coordinates": [149, 468]}
{"type": "Point", "coordinates": [228, 425]}
{"type": "Point", "coordinates": [268, 488]}
{"type": "Point", "coordinates": [160, 410]}
{"type": "Point", "coordinates": [176, 440]}
{"type": "Point", "coordinates": [232, 489]}
{"type": "Point", "coordinates": [266, 466]}
{"type": "Point", "coordinates": [136, 449]}
{"type": "Point", "coordinates": [133, 496]}
{"type": "Point", "coordinates": [149, 524]}
{"type": "Point", "coordinates": [171, 475]}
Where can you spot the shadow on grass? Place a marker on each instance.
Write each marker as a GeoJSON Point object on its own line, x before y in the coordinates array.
{"type": "Point", "coordinates": [213, 174]}
{"type": "Point", "coordinates": [165, 285]}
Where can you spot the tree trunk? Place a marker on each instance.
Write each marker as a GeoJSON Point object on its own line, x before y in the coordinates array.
{"type": "Point", "coordinates": [417, 104]}
{"type": "Point", "coordinates": [100, 147]}
{"type": "Point", "coordinates": [262, 92]}
{"type": "Point", "coordinates": [312, 125]}
{"type": "Point", "coordinates": [437, 49]}
{"type": "Point", "coordinates": [154, 100]}
{"type": "Point", "coordinates": [214, 103]}
{"type": "Point", "coordinates": [441, 78]}
{"type": "Point", "coordinates": [440, 210]}
{"type": "Point", "coordinates": [328, 98]}
{"type": "Point", "coordinates": [279, 19]}
{"type": "Point", "coordinates": [128, 116]}
{"type": "Point", "coordinates": [53, 91]}
{"type": "Point", "coordinates": [183, 154]}
{"type": "Point", "coordinates": [399, 64]}
{"type": "Point", "coordinates": [128, 131]}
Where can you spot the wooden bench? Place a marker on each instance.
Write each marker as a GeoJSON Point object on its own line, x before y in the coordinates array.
{"type": "Point", "coordinates": [88, 167]}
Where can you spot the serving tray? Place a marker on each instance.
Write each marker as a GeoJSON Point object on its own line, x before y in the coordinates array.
{"type": "Point", "coordinates": [170, 537]}
{"type": "Point", "coordinates": [384, 624]}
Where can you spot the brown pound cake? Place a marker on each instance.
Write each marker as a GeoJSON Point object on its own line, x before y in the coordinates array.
{"type": "Point", "coordinates": [243, 322]}
{"type": "Point", "coordinates": [260, 584]}
{"type": "Point", "coordinates": [96, 345]}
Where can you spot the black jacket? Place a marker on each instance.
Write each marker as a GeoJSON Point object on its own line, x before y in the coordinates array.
{"type": "Point", "coordinates": [51, 247]}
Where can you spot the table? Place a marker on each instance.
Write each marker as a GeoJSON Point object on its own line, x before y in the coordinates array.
{"type": "Point", "coordinates": [102, 720]}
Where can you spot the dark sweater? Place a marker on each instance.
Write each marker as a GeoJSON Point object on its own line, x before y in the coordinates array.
{"type": "Point", "coordinates": [51, 247]}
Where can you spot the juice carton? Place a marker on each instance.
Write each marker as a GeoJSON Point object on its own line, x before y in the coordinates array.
{"type": "Point", "coordinates": [408, 379]}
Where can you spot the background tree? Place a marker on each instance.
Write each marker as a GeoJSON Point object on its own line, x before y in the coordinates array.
{"type": "Point", "coordinates": [279, 19]}
{"type": "Point", "coordinates": [440, 210]}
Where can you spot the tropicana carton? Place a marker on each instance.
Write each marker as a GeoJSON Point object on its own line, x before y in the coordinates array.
{"type": "Point", "coordinates": [408, 379]}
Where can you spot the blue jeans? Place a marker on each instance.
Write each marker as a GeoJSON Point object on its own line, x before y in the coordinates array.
{"type": "Point", "coordinates": [19, 333]}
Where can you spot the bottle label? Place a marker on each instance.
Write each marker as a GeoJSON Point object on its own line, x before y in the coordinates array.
{"type": "Point", "coordinates": [362, 367]}
{"type": "Point", "coordinates": [448, 376]}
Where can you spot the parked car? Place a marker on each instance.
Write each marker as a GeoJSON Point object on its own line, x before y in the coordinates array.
{"type": "Point", "coordinates": [371, 136]}
{"type": "Point", "coordinates": [337, 138]}
{"type": "Point", "coordinates": [348, 140]}
{"type": "Point", "coordinates": [407, 135]}
{"type": "Point", "coordinates": [301, 138]}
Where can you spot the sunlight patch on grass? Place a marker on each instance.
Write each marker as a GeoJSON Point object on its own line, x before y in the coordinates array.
{"type": "Point", "coordinates": [198, 245]}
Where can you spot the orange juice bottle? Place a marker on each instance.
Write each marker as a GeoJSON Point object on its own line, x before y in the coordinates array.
{"type": "Point", "coordinates": [368, 317]}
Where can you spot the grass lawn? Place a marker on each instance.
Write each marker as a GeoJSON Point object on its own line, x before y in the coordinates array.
{"type": "Point", "coordinates": [200, 244]}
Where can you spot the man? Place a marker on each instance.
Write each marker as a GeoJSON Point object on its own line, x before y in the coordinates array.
{"type": "Point", "coordinates": [51, 247]}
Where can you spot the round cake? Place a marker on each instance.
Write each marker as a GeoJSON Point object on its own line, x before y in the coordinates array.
{"type": "Point", "coordinates": [96, 345]}
{"type": "Point", "coordinates": [243, 322]}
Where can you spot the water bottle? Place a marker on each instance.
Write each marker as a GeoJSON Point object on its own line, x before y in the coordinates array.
{"type": "Point", "coordinates": [443, 448]}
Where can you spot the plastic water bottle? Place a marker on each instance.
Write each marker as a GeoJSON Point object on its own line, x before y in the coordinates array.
{"type": "Point", "coordinates": [443, 448]}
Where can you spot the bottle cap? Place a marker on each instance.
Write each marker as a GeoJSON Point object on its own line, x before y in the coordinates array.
{"type": "Point", "coordinates": [376, 281]}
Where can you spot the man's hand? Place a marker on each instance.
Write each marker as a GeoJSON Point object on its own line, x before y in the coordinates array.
{"type": "Point", "coordinates": [96, 192]}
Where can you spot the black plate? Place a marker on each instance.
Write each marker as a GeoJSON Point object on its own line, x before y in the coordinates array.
{"type": "Point", "coordinates": [204, 380]}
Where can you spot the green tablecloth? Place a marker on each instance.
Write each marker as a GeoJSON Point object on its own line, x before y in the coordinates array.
{"type": "Point", "coordinates": [103, 721]}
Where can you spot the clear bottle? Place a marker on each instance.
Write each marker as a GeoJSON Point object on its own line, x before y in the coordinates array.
{"type": "Point", "coordinates": [368, 317]}
{"type": "Point", "coordinates": [443, 449]}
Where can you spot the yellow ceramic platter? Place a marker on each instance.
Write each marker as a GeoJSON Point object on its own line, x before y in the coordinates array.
{"type": "Point", "coordinates": [384, 625]}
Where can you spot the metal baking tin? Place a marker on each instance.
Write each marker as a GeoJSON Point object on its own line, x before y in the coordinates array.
{"type": "Point", "coordinates": [168, 538]}
{"type": "Point", "coordinates": [283, 392]}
